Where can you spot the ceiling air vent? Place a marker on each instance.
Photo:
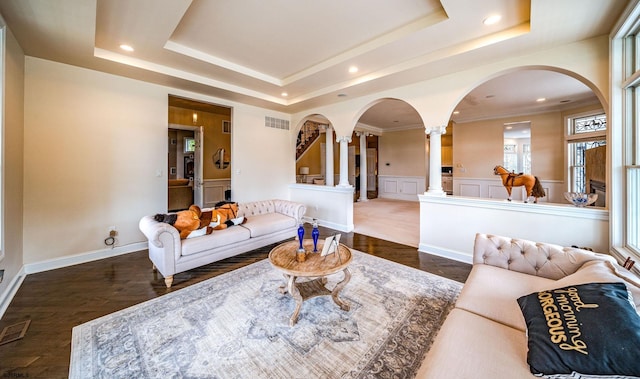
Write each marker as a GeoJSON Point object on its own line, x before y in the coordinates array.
{"type": "Point", "coordinates": [276, 123]}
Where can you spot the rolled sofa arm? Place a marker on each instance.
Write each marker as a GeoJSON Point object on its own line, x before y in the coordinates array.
{"type": "Point", "coordinates": [152, 229]}
{"type": "Point", "coordinates": [291, 208]}
{"type": "Point", "coordinates": [534, 258]}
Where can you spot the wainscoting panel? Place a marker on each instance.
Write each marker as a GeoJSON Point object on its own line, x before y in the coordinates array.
{"type": "Point", "coordinates": [401, 187]}
{"type": "Point", "coordinates": [213, 191]}
{"type": "Point", "coordinates": [492, 188]}
{"type": "Point", "coordinates": [390, 186]}
{"type": "Point", "coordinates": [409, 187]}
{"type": "Point", "coordinates": [470, 190]}
{"type": "Point", "coordinates": [499, 192]}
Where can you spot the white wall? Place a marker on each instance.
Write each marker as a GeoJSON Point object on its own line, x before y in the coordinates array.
{"type": "Point", "coordinates": [262, 158]}
{"type": "Point", "coordinates": [12, 181]}
{"type": "Point", "coordinates": [448, 225]}
{"type": "Point", "coordinates": [96, 151]}
{"type": "Point", "coordinates": [332, 207]}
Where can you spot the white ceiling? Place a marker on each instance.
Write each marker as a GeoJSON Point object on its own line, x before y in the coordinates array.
{"type": "Point", "coordinates": [254, 50]}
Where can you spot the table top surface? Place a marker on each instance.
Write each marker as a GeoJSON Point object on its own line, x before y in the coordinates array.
{"type": "Point", "coordinates": [283, 257]}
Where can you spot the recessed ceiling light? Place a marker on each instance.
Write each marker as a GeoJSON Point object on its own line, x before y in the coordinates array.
{"type": "Point", "coordinates": [353, 69]}
{"type": "Point", "coordinates": [492, 19]}
{"type": "Point", "coordinates": [126, 47]}
{"type": "Point", "coordinates": [509, 127]}
{"type": "Point", "coordinates": [284, 94]}
{"type": "Point", "coordinates": [540, 100]}
{"type": "Point", "coordinates": [456, 112]}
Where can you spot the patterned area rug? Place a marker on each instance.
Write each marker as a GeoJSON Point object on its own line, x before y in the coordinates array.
{"type": "Point", "coordinates": [237, 326]}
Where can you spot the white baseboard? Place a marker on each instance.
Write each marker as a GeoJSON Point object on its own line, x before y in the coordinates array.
{"type": "Point", "coordinates": [450, 254]}
{"type": "Point", "coordinates": [10, 292]}
{"type": "Point", "coordinates": [70, 260]}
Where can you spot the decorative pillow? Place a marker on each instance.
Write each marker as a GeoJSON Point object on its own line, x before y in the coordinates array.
{"type": "Point", "coordinates": [590, 329]}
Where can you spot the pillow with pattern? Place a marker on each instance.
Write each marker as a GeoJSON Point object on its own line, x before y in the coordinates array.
{"type": "Point", "coordinates": [583, 331]}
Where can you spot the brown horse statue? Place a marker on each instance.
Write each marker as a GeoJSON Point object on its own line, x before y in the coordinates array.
{"type": "Point", "coordinates": [510, 179]}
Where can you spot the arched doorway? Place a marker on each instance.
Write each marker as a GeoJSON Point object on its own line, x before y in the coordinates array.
{"type": "Point", "coordinates": [526, 119]}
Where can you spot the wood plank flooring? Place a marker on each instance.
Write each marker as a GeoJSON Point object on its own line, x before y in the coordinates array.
{"type": "Point", "coordinates": [58, 300]}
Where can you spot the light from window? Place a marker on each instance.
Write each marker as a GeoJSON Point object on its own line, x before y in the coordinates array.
{"type": "Point", "coordinates": [511, 157]}
{"type": "Point", "coordinates": [633, 206]}
{"type": "Point", "coordinates": [578, 160]}
{"type": "Point", "coordinates": [189, 145]}
{"type": "Point", "coordinates": [526, 158]}
{"type": "Point", "coordinates": [585, 132]}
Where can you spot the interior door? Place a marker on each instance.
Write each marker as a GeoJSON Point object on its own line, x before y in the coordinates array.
{"type": "Point", "coordinates": [351, 166]}
{"type": "Point", "coordinates": [197, 167]}
{"type": "Point", "coordinates": [372, 179]}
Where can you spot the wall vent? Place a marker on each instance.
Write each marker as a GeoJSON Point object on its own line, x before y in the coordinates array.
{"type": "Point", "coordinates": [276, 123]}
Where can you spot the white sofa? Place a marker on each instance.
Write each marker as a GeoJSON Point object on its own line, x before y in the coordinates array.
{"type": "Point", "coordinates": [484, 336]}
{"type": "Point", "coordinates": [267, 222]}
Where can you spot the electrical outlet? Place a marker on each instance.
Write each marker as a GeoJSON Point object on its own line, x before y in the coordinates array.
{"type": "Point", "coordinates": [1, 275]}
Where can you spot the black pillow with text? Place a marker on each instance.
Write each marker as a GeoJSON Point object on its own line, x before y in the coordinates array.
{"type": "Point", "coordinates": [590, 329]}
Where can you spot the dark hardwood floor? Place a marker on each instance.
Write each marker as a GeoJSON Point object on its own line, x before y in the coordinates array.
{"type": "Point", "coordinates": [55, 301]}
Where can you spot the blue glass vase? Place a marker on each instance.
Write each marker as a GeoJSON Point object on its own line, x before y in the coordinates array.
{"type": "Point", "coordinates": [315, 233]}
{"type": "Point", "coordinates": [300, 236]}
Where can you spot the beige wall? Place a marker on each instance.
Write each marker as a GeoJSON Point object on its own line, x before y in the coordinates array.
{"type": "Point", "coordinates": [478, 146]}
{"type": "Point", "coordinates": [214, 138]}
{"type": "Point", "coordinates": [404, 151]}
{"type": "Point", "coordinates": [12, 180]}
{"type": "Point", "coordinates": [93, 145]}
{"type": "Point", "coordinates": [547, 146]}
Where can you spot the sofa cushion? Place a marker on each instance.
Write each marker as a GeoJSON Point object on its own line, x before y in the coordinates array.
{"type": "Point", "coordinates": [255, 208]}
{"type": "Point", "coordinates": [590, 329]}
{"type": "Point", "coordinates": [492, 292]}
{"type": "Point", "coordinates": [216, 239]}
{"type": "Point", "coordinates": [469, 346]}
{"type": "Point", "coordinates": [268, 223]}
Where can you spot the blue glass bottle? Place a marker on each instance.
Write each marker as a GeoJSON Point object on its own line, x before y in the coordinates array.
{"type": "Point", "coordinates": [315, 233]}
{"type": "Point", "coordinates": [300, 236]}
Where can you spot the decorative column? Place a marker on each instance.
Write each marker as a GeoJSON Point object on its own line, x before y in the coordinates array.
{"type": "Point", "coordinates": [435, 159]}
{"type": "Point", "coordinates": [344, 161]}
{"type": "Point", "coordinates": [328, 165]}
{"type": "Point", "coordinates": [363, 166]}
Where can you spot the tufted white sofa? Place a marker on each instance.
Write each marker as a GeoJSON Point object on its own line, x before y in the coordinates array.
{"type": "Point", "coordinates": [484, 336]}
{"type": "Point", "coordinates": [267, 222]}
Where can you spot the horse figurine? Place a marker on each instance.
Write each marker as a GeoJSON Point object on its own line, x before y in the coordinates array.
{"type": "Point", "coordinates": [510, 179]}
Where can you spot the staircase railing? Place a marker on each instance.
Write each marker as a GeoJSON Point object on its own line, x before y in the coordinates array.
{"type": "Point", "coordinates": [309, 132]}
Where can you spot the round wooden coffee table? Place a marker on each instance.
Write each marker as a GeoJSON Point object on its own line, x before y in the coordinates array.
{"type": "Point", "coordinates": [283, 258]}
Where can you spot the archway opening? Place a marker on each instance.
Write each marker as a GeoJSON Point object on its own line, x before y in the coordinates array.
{"type": "Point", "coordinates": [536, 121]}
